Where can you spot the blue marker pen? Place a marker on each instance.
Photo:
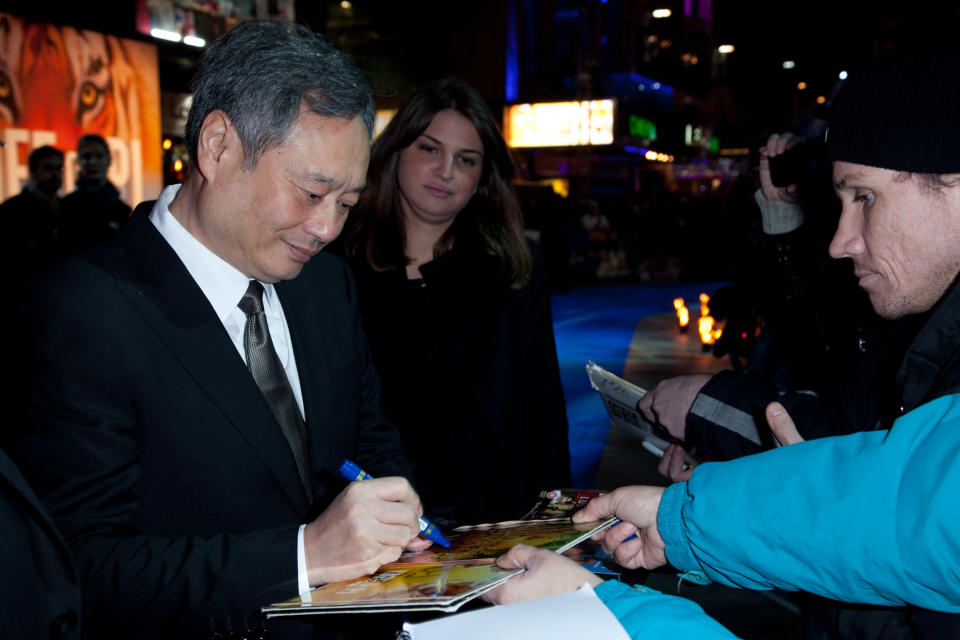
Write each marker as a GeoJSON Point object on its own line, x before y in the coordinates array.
{"type": "Point", "coordinates": [428, 530]}
{"type": "Point", "coordinates": [628, 538]}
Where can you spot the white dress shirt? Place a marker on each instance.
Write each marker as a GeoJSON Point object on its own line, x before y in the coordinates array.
{"type": "Point", "coordinates": [223, 287]}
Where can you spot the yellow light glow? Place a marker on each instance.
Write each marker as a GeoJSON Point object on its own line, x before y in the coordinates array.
{"type": "Point", "coordinates": [801, 85]}
{"type": "Point", "coordinates": [726, 48]}
{"type": "Point", "coordinates": [821, 99]}
{"type": "Point", "coordinates": [650, 155]}
{"type": "Point", "coordinates": [708, 333]}
{"type": "Point", "coordinates": [683, 314]}
{"type": "Point", "coordinates": [167, 143]}
{"type": "Point", "coordinates": [346, 5]}
{"type": "Point", "coordinates": [662, 13]}
{"type": "Point", "coordinates": [559, 124]}
{"type": "Point", "coordinates": [560, 186]}
{"type": "Point", "coordinates": [705, 326]}
{"type": "Point", "coordinates": [178, 165]}
{"type": "Point", "coordinates": [383, 118]}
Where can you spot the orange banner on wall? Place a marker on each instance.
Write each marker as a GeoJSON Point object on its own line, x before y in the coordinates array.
{"type": "Point", "coordinates": [58, 83]}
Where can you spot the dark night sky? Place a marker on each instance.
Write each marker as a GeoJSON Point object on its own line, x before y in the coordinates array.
{"type": "Point", "coordinates": [823, 37]}
{"type": "Point", "coordinates": [421, 39]}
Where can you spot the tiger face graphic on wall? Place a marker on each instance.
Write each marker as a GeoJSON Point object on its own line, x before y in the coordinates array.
{"type": "Point", "coordinates": [58, 83]}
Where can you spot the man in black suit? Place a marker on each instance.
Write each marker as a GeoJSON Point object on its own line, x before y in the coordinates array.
{"type": "Point", "coordinates": [182, 497]}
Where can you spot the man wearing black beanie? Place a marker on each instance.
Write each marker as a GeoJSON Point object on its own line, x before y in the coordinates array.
{"type": "Point", "coordinates": [895, 147]}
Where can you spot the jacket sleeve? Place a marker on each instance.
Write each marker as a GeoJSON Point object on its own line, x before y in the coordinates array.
{"type": "Point", "coordinates": [727, 420]}
{"type": "Point", "coordinates": [869, 517]}
{"type": "Point", "coordinates": [648, 614]}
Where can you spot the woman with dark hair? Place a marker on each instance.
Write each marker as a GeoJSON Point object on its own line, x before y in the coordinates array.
{"type": "Point", "coordinates": [457, 311]}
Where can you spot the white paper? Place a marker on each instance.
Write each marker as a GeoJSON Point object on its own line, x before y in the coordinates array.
{"type": "Point", "coordinates": [569, 616]}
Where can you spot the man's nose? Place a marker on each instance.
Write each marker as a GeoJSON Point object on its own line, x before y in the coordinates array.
{"type": "Point", "coordinates": [325, 224]}
{"type": "Point", "coordinates": [848, 239]}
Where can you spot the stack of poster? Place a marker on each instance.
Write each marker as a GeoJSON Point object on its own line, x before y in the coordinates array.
{"type": "Point", "coordinates": [439, 579]}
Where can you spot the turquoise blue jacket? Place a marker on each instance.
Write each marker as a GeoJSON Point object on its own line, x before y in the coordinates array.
{"type": "Point", "coordinates": [872, 517]}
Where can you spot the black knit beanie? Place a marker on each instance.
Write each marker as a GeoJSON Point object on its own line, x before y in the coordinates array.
{"type": "Point", "coordinates": [901, 113]}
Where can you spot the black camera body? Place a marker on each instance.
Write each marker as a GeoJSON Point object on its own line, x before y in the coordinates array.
{"type": "Point", "coordinates": [800, 164]}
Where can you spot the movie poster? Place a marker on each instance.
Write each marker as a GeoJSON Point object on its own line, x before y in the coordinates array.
{"type": "Point", "coordinates": [58, 83]}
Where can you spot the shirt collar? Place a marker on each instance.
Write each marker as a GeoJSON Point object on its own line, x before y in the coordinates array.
{"type": "Point", "coordinates": [221, 283]}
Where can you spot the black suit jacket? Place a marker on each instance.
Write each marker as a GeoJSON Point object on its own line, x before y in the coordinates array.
{"type": "Point", "coordinates": [154, 450]}
{"type": "Point", "coordinates": [40, 590]}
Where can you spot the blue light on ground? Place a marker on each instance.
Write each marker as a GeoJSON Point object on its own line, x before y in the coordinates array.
{"type": "Point", "coordinates": [598, 323]}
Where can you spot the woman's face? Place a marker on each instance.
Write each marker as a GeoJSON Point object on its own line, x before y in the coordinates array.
{"type": "Point", "coordinates": [440, 171]}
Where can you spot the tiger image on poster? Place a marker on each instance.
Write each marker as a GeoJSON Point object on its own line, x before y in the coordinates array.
{"type": "Point", "coordinates": [58, 83]}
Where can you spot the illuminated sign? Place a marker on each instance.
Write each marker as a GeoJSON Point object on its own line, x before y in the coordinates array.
{"type": "Point", "coordinates": [559, 124]}
{"type": "Point", "coordinates": [642, 128]}
{"type": "Point", "coordinates": [58, 83]}
{"type": "Point", "coordinates": [695, 136]}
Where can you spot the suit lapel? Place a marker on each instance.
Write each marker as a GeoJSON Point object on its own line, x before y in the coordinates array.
{"type": "Point", "coordinates": [168, 299]}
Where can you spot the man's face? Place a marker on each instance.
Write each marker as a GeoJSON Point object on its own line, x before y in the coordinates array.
{"type": "Point", "coordinates": [48, 177]}
{"type": "Point", "coordinates": [270, 220]}
{"type": "Point", "coordinates": [94, 160]}
{"type": "Point", "coordinates": [903, 237]}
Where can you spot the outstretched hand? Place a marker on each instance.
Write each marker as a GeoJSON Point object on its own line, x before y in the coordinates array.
{"type": "Point", "coordinates": [674, 464]}
{"type": "Point", "coordinates": [781, 424]}
{"type": "Point", "coordinates": [668, 403]}
{"type": "Point", "coordinates": [546, 574]}
{"type": "Point", "coordinates": [637, 508]}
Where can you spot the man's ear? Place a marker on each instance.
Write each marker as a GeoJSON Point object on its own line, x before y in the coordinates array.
{"type": "Point", "coordinates": [218, 145]}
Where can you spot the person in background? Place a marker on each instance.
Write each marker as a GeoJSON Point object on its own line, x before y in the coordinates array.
{"type": "Point", "coordinates": [457, 310]}
{"type": "Point", "coordinates": [93, 212]}
{"type": "Point", "coordinates": [32, 216]}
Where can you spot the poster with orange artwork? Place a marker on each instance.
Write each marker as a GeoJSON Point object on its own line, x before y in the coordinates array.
{"type": "Point", "coordinates": [58, 83]}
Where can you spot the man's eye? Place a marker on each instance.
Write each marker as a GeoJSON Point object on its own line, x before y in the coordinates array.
{"type": "Point", "coordinates": [864, 198]}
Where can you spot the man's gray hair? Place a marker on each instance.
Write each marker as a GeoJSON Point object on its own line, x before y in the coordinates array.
{"type": "Point", "coordinates": [262, 72]}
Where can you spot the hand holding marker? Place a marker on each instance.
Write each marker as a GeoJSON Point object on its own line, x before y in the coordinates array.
{"type": "Point", "coordinates": [428, 530]}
